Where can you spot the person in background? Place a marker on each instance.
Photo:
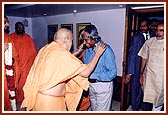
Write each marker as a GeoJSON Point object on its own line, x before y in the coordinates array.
{"type": "Point", "coordinates": [11, 72]}
{"type": "Point", "coordinates": [7, 103]}
{"type": "Point", "coordinates": [25, 47]}
{"type": "Point", "coordinates": [153, 25]}
{"type": "Point", "coordinates": [57, 78]}
{"type": "Point", "coordinates": [133, 65]}
{"type": "Point", "coordinates": [101, 79]}
{"type": "Point", "coordinates": [152, 69]}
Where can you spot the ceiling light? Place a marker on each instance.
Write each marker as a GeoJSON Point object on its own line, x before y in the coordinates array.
{"type": "Point", "coordinates": [120, 6]}
{"type": "Point", "coordinates": [44, 14]}
{"type": "Point", "coordinates": [75, 11]}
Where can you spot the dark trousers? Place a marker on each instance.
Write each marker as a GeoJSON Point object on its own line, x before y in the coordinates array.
{"type": "Point", "coordinates": [162, 108]}
{"type": "Point", "coordinates": [137, 96]}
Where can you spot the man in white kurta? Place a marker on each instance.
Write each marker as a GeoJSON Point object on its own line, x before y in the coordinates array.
{"type": "Point", "coordinates": [152, 69]}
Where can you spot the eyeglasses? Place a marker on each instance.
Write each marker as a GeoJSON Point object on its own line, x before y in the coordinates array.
{"type": "Point", "coordinates": [161, 30]}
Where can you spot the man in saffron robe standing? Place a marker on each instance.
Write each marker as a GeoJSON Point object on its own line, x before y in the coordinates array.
{"type": "Point", "coordinates": [7, 104]}
{"type": "Point", "coordinates": [9, 79]}
{"type": "Point", "coordinates": [26, 54]}
{"type": "Point", "coordinates": [57, 78]}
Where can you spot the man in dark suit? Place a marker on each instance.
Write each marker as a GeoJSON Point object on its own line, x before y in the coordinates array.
{"type": "Point", "coordinates": [133, 66]}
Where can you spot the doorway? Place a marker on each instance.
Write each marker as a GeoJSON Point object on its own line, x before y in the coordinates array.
{"type": "Point", "coordinates": [131, 28]}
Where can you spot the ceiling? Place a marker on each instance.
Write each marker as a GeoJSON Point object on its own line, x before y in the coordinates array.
{"type": "Point", "coordinates": [39, 10]}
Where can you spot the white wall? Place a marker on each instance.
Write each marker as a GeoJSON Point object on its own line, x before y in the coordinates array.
{"type": "Point", "coordinates": [110, 24]}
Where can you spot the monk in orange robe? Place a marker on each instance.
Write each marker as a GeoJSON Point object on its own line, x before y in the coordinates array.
{"type": "Point", "coordinates": [57, 78]}
{"type": "Point", "coordinates": [10, 80]}
{"type": "Point", "coordinates": [7, 104]}
{"type": "Point", "coordinates": [26, 53]}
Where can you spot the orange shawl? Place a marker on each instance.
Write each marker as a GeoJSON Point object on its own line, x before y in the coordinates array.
{"type": "Point", "coordinates": [53, 65]}
{"type": "Point", "coordinates": [26, 50]}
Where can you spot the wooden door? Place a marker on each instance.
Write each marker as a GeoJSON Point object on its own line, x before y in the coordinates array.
{"type": "Point", "coordinates": [131, 26]}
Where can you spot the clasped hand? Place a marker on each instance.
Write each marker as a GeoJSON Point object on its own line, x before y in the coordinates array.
{"type": "Point", "coordinates": [100, 49]}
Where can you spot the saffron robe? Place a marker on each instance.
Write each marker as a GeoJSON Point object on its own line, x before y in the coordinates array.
{"type": "Point", "coordinates": [26, 53]}
{"type": "Point", "coordinates": [14, 56]}
{"type": "Point", "coordinates": [7, 104]}
{"type": "Point", "coordinates": [84, 103]}
{"type": "Point", "coordinates": [54, 65]}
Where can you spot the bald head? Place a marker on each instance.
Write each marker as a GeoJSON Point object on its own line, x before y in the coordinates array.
{"type": "Point", "coordinates": [62, 33]}
{"type": "Point", "coordinates": [64, 37]}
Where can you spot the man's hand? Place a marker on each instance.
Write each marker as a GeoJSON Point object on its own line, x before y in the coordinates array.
{"type": "Point", "coordinates": [79, 50]}
{"type": "Point", "coordinates": [141, 79]}
{"type": "Point", "coordinates": [127, 78]}
{"type": "Point", "coordinates": [100, 49]}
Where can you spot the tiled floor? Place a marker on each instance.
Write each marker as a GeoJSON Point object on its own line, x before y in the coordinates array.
{"type": "Point", "coordinates": [116, 106]}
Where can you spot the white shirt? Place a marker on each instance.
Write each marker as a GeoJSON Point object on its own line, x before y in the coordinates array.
{"type": "Point", "coordinates": [145, 35]}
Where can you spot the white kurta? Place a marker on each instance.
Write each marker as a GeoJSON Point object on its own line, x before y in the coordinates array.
{"type": "Point", "coordinates": [153, 51]}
